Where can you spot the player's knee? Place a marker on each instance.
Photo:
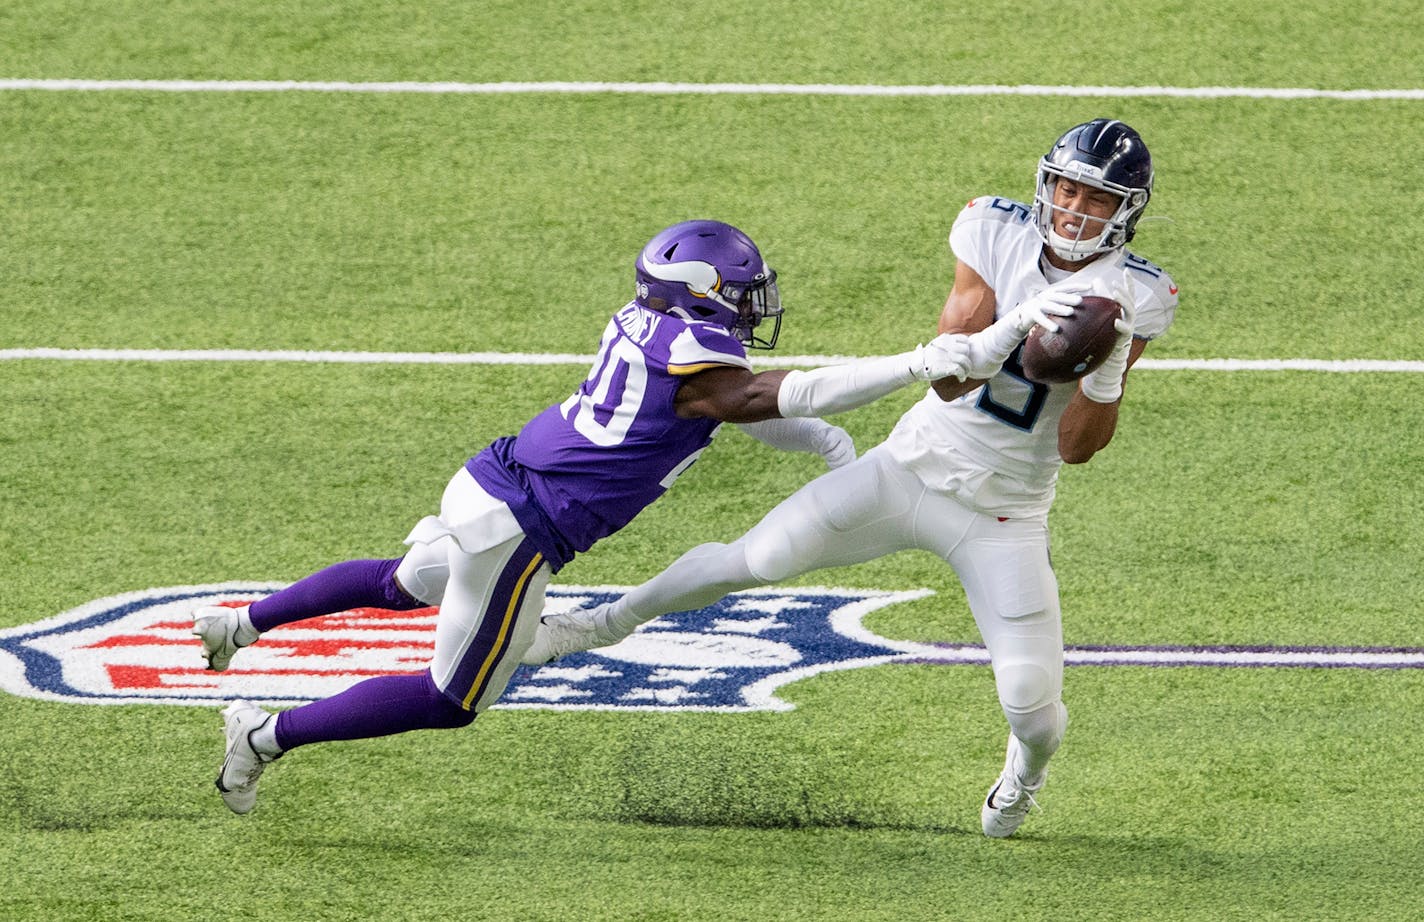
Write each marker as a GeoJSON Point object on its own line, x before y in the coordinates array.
{"type": "Point", "coordinates": [443, 710]}
{"type": "Point", "coordinates": [1025, 687]}
{"type": "Point", "coordinates": [773, 556]}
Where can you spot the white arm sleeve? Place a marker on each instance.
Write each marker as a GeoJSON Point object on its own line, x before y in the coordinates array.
{"type": "Point", "coordinates": [832, 443]}
{"type": "Point", "coordinates": [837, 388]}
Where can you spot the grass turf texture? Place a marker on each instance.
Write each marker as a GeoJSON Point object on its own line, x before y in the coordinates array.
{"type": "Point", "coordinates": [860, 804]}
{"type": "Point", "coordinates": [1241, 509]}
{"type": "Point", "coordinates": [1226, 801]}
{"type": "Point", "coordinates": [457, 223]}
{"type": "Point", "coordinates": [1325, 43]}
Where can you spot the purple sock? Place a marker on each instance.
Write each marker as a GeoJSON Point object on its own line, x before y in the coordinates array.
{"type": "Point", "coordinates": [341, 586]}
{"type": "Point", "coordinates": [375, 707]}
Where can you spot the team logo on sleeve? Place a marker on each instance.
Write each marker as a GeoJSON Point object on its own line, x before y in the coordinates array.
{"type": "Point", "coordinates": [138, 648]}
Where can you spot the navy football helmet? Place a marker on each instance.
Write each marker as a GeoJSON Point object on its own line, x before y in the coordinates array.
{"type": "Point", "coordinates": [707, 270]}
{"type": "Point", "coordinates": [1105, 154]}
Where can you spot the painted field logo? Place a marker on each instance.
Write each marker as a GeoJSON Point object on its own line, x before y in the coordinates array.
{"type": "Point", "coordinates": [138, 648]}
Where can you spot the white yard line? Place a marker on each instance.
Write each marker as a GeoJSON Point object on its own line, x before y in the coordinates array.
{"type": "Point", "coordinates": [564, 358]}
{"type": "Point", "coordinates": [740, 89]}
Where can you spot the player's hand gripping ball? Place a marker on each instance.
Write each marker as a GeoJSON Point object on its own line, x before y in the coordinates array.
{"type": "Point", "coordinates": [1084, 340]}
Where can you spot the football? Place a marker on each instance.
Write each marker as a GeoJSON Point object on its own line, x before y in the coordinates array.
{"type": "Point", "coordinates": [1083, 342]}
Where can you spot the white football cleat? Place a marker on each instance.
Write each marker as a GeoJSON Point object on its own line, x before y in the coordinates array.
{"type": "Point", "coordinates": [242, 765]}
{"type": "Point", "coordinates": [1009, 800]}
{"type": "Point", "coordinates": [571, 632]}
{"type": "Point", "coordinates": [222, 634]}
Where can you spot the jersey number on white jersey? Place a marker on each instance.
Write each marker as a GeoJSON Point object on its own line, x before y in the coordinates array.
{"type": "Point", "coordinates": [1026, 415]}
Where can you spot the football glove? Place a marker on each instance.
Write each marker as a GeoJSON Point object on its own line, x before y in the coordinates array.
{"type": "Point", "coordinates": [832, 443]}
{"type": "Point", "coordinates": [1104, 384]}
{"type": "Point", "coordinates": [990, 347]}
{"type": "Point", "coordinates": [945, 356]}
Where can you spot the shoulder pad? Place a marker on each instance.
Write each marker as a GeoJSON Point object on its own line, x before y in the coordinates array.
{"type": "Point", "coordinates": [705, 345]}
{"type": "Point", "coordinates": [1153, 276]}
{"type": "Point", "coordinates": [1159, 308]}
{"type": "Point", "coordinates": [993, 208]}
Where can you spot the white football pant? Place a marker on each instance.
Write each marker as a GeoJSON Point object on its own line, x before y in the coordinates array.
{"type": "Point", "coordinates": [873, 507]}
{"type": "Point", "coordinates": [475, 562]}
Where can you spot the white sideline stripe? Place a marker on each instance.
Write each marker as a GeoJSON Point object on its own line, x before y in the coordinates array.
{"type": "Point", "coordinates": [1148, 656]}
{"type": "Point", "coordinates": [745, 89]}
{"type": "Point", "coordinates": [1359, 659]}
{"type": "Point", "coordinates": [564, 358]}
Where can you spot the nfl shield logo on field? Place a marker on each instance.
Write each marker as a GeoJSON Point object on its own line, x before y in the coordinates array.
{"type": "Point", "coordinates": [138, 648]}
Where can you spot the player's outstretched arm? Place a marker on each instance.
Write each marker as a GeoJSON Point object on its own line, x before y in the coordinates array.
{"type": "Point", "coordinates": [736, 395]}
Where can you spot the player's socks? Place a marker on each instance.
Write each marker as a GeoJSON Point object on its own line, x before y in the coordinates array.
{"type": "Point", "coordinates": [375, 707]}
{"type": "Point", "coordinates": [339, 587]}
{"type": "Point", "coordinates": [246, 633]}
{"type": "Point", "coordinates": [616, 620]}
{"type": "Point", "coordinates": [264, 740]}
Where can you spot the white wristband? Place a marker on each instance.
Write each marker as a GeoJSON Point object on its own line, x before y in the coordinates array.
{"type": "Point", "coordinates": [1100, 391]}
{"type": "Point", "coordinates": [1105, 384]}
{"type": "Point", "coordinates": [990, 347]}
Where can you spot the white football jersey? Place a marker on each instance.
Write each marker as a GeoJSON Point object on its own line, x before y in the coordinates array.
{"type": "Point", "coordinates": [996, 448]}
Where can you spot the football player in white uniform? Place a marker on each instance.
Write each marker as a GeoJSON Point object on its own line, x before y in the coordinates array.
{"type": "Point", "coordinates": [969, 472]}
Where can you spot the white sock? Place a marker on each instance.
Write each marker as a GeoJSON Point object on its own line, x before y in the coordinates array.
{"type": "Point", "coordinates": [1045, 727]}
{"type": "Point", "coordinates": [614, 620]}
{"type": "Point", "coordinates": [264, 738]}
{"type": "Point", "coordinates": [246, 634]}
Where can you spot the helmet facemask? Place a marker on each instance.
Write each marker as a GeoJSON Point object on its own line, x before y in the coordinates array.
{"type": "Point", "coordinates": [1116, 230]}
{"type": "Point", "coordinates": [761, 301]}
{"type": "Point", "coordinates": [1103, 154]}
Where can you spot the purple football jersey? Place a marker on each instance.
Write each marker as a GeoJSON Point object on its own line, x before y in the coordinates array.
{"type": "Point", "coordinates": [582, 469]}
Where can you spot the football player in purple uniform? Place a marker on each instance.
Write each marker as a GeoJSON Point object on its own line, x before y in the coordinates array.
{"type": "Point", "coordinates": [672, 367]}
{"type": "Point", "coordinates": [969, 472]}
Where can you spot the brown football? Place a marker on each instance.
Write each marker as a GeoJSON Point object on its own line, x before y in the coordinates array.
{"type": "Point", "coordinates": [1083, 342]}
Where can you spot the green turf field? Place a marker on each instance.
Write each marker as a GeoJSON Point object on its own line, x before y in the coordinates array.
{"type": "Point", "coordinates": [1240, 509]}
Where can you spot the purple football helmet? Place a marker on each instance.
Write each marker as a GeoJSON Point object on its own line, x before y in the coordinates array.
{"type": "Point", "coordinates": [707, 270]}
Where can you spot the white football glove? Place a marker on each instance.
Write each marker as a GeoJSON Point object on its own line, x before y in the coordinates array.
{"type": "Point", "coordinates": [946, 356]}
{"type": "Point", "coordinates": [1053, 301]}
{"type": "Point", "coordinates": [990, 347]}
{"type": "Point", "coordinates": [1104, 384]}
{"type": "Point", "coordinates": [836, 447]}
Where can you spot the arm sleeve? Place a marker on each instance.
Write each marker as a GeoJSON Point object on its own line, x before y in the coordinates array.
{"type": "Point", "coordinates": [837, 388]}
{"type": "Point", "coordinates": [832, 443]}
